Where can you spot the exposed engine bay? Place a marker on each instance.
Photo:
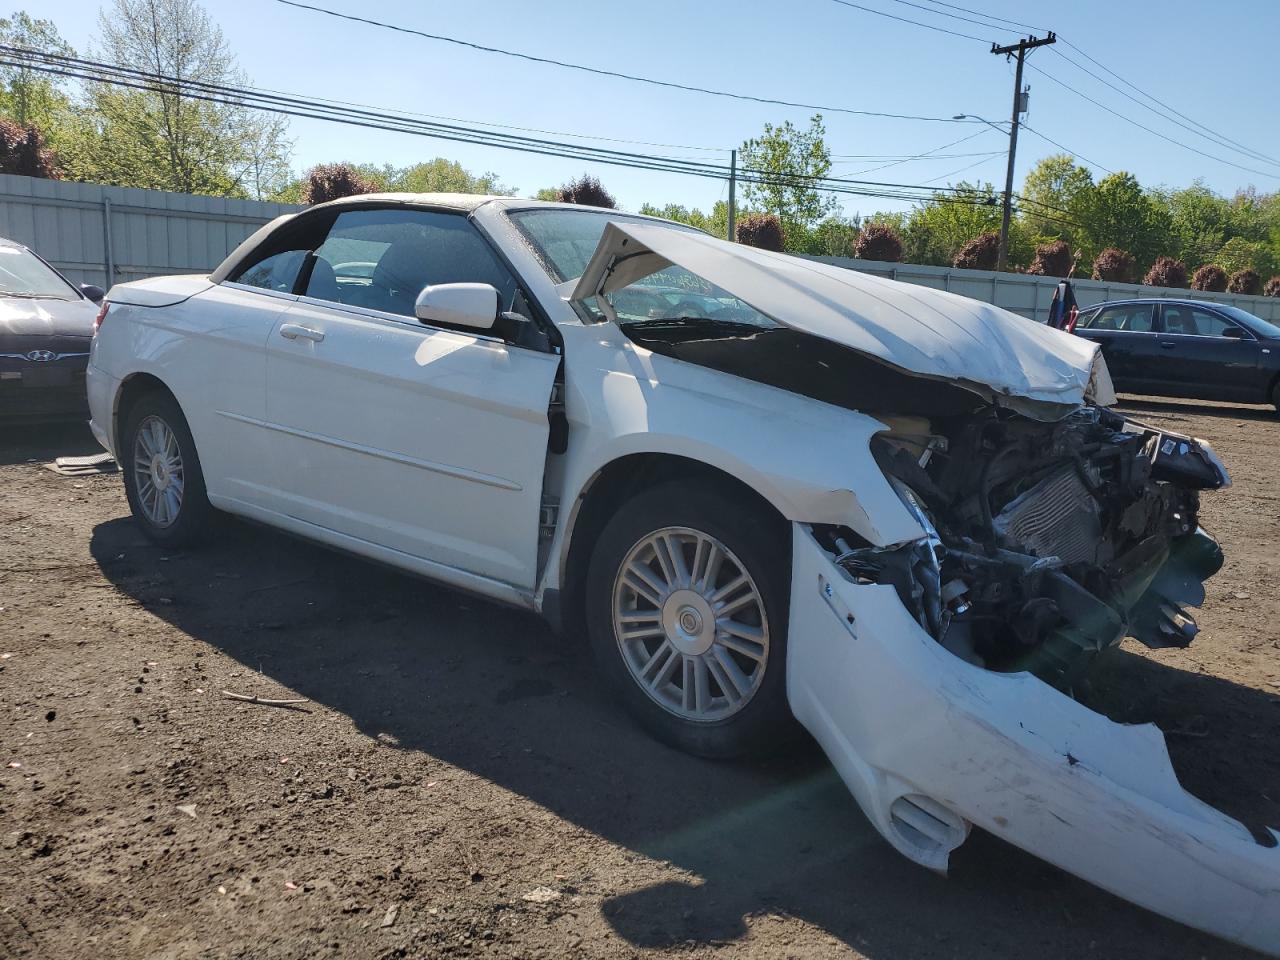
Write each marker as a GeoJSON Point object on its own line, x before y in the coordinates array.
{"type": "Point", "coordinates": [1048, 542]}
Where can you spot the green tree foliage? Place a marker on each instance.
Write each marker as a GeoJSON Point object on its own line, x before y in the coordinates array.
{"type": "Point", "coordinates": [715, 223]}
{"type": "Point", "coordinates": [31, 96]}
{"type": "Point", "coordinates": [1057, 194]}
{"type": "Point", "coordinates": [1119, 213]}
{"type": "Point", "coordinates": [162, 138]}
{"type": "Point", "coordinates": [786, 160]}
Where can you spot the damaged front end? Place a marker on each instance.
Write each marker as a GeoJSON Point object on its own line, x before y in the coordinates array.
{"type": "Point", "coordinates": [921, 668]}
{"type": "Point", "coordinates": [1047, 542]}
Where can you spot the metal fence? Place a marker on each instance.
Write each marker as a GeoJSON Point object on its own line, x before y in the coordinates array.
{"type": "Point", "coordinates": [1030, 296]}
{"type": "Point", "coordinates": [106, 235]}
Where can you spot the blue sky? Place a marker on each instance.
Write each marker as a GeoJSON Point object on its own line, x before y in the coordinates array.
{"type": "Point", "coordinates": [1214, 63]}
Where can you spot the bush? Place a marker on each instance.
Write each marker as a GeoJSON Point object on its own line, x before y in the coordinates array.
{"type": "Point", "coordinates": [1210, 278]}
{"type": "Point", "coordinates": [1053, 259]}
{"type": "Point", "coordinates": [878, 242]}
{"type": "Point", "coordinates": [332, 181]}
{"type": "Point", "coordinates": [1113, 264]}
{"type": "Point", "coordinates": [980, 253]}
{"type": "Point", "coordinates": [1166, 272]}
{"type": "Point", "coordinates": [1245, 281]}
{"type": "Point", "coordinates": [22, 151]}
{"type": "Point", "coordinates": [587, 191]}
{"type": "Point", "coordinates": [1272, 289]}
{"type": "Point", "coordinates": [763, 230]}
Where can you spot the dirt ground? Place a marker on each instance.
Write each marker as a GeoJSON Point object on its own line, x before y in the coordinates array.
{"type": "Point", "coordinates": [459, 785]}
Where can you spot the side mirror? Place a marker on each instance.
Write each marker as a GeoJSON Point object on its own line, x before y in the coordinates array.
{"type": "Point", "coordinates": [1235, 333]}
{"type": "Point", "coordinates": [94, 293]}
{"type": "Point", "coordinates": [470, 305]}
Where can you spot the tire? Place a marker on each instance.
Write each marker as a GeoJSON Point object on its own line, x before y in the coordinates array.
{"type": "Point", "coordinates": [168, 498]}
{"type": "Point", "coordinates": [670, 662]}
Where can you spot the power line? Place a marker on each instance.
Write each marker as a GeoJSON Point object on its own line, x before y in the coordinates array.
{"type": "Point", "coordinates": [976, 163]}
{"type": "Point", "coordinates": [894, 16]}
{"type": "Point", "coordinates": [1221, 139]}
{"type": "Point", "coordinates": [597, 71]}
{"type": "Point", "coordinates": [954, 16]}
{"type": "Point", "coordinates": [1015, 23]}
{"type": "Point", "coordinates": [290, 105]}
{"type": "Point", "coordinates": [1066, 149]}
{"type": "Point", "coordinates": [1157, 133]}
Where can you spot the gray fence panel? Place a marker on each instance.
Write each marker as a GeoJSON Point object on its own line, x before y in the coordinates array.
{"type": "Point", "coordinates": [150, 232]}
{"type": "Point", "coordinates": [1030, 296]}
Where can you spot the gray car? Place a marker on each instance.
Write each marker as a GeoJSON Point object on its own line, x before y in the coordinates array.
{"type": "Point", "coordinates": [46, 324]}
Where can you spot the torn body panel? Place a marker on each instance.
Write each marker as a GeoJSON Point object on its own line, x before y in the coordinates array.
{"type": "Point", "coordinates": [929, 744]}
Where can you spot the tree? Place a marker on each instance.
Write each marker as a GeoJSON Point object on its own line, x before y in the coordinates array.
{"type": "Point", "coordinates": [440, 175]}
{"type": "Point", "coordinates": [784, 163]}
{"type": "Point", "coordinates": [1240, 254]}
{"type": "Point", "coordinates": [1166, 272]}
{"type": "Point", "coordinates": [878, 241]}
{"type": "Point", "coordinates": [585, 190]}
{"type": "Point", "coordinates": [22, 151]}
{"type": "Point", "coordinates": [1056, 194]}
{"type": "Point", "coordinates": [762, 230]}
{"type": "Point", "coordinates": [1245, 281]}
{"type": "Point", "coordinates": [1199, 222]}
{"type": "Point", "coordinates": [1053, 259]}
{"type": "Point", "coordinates": [27, 95]}
{"type": "Point", "coordinates": [715, 223]}
{"type": "Point", "coordinates": [1113, 264]}
{"type": "Point", "coordinates": [980, 253]}
{"type": "Point", "coordinates": [332, 181]}
{"type": "Point", "coordinates": [1118, 213]}
{"type": "Point", "coordinates": [162, 138]}
{"type": "Point", "coordinates": [1272, 289]}
{"type": "Point", "coordinates": [1211, 278]}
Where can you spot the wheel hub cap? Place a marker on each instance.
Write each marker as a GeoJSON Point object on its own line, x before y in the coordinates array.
{"type": "Point", "coordinates": [690, 624]}
{"type": "Point", "coordinates": [158, 472]}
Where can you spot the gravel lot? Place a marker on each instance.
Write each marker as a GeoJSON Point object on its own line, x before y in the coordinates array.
{"type": "Point", "coordinates": [458, 785]}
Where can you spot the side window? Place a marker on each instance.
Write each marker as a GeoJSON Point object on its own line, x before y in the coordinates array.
{"type": "Point", "coordinates": [1134, 318]}
{"type": "Point", "coordinates": [276, 264]}
{"type": "Point", "coordinates": [381, 259]}
{"type": "Point", "coordinates": [1215, 325]}
{"type": "Point", "coordinates": [1197, 323]}
{"type": "Point", "coordinates": [1086, 320]}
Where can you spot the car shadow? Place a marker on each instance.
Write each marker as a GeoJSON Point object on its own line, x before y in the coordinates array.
{"type": "Point", "coordinates": [1195, 408]}
{"type": "Point", "coordinates": [495, 692]}
{"type": "Point", "coordinates": [45, 441]}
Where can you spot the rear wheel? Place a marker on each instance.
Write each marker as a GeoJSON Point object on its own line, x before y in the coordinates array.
{"type": "Point", "coordinates": [687, 604]}
{"type": "Point", "coordinates": [162, 476]}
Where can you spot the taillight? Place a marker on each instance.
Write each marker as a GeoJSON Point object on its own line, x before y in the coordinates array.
{"type": "Point", "coordinates": [102, 315]}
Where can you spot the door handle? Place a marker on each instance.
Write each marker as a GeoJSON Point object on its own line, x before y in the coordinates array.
{"type": "Point", "coordinates": [295, 331]}
{"type": "Point", "coordinates": [1167, 344]}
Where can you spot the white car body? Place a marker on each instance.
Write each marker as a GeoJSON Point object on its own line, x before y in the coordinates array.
{"type": "Point", "coordinates": [346, 425]}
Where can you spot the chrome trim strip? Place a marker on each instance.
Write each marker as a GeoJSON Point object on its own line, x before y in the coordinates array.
{"type": "Point", "coordinates": [56, 356]}
{"type": "Point", "coordinates": [442, 468]}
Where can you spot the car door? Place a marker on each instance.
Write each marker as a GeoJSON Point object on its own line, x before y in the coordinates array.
{"type": "Point", "coordinates": [1207, 355]}
{"type": "Point", "coordinates": [1124, 332]}
{"type": "Point", "coordinates": [425, 441]}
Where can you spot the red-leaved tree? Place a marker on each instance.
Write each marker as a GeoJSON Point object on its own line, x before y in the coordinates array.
{"type": "Point", "coordinates": [1210, 278]}
{"type": "Point", "coordinates": [980, 253]}
{"type": "Point", "coordinates": [587, 191]}
{"type": "Point", "coordinates": [763, 230]}
{"type": "Point", "coordinates": [1245, 281]}
{"type": "Point", "coordinates": [1113, 264]}
{"type": "Point", "coordinates": [878, 241]}
{"type": "Point", "coordinates": [1053, 259]}
{"type": "Point", "coordinates": [23, 151]}
{"type": "Point", "coordinates": [333, 181]}
{"type": "Point", "coordinates": [1166, 272]}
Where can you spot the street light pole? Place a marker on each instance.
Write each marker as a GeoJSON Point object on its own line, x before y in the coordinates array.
{"type": "Point", "coordinates": [1021, 48]}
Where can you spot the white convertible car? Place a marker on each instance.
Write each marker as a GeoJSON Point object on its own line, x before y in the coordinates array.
{"type": "Point", "coordinates": [767, 489]}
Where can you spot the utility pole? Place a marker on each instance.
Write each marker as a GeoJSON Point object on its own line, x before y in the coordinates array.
{"type": "Point", "coordinates": [1021, 48]}
{"type": "Point", "coordinates": [733, 189]}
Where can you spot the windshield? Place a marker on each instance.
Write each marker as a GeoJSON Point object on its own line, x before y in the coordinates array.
{"type": "Point", "coordinates": [564, 241]}
{"type": "Point", "coordinates": [1257, 324]}
{"type": "Point", "coordinates": [23, 274]}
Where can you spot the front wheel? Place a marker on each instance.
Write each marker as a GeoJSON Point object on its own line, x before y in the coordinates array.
{"type": "Point", "coordinates": [687, 604]}
{"type": "Point", "coordinates": [162, 476]}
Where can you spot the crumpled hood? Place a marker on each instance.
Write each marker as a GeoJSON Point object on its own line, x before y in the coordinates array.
{"type": "Point", "coordinates": [22, 317]}
{"type": "Point", "coordinates": [1044, 372]}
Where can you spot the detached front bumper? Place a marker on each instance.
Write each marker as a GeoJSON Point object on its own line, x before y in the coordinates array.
{"type": "Point", "coordinates": [929, 744]}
